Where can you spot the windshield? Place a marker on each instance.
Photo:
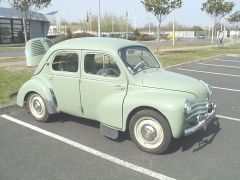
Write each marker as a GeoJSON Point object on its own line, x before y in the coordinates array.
{"type": "Point", "coordinates": [138, 58]}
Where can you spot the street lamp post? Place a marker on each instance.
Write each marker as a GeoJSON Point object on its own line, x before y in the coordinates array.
{"type": "Point", "coordinates": [126, 16]}
{"type": "Point", "coordinates": [112, 22]}
{"type": "Point", "coordinates": [173, 42]}
{"type": "Point", "coordinates": [213, 34]}
{"type": "Point", "coordinates": [149, 25]}
{"type": "Point", "coordinates": [99, 19]}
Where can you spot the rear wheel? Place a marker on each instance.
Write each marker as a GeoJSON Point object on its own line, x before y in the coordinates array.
{"type": "Point", "coordinates": [37, 107]}
{"type": "Point", "coordinates": [150, 131]}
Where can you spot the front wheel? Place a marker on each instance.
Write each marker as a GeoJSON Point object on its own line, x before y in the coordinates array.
{"type": "Point", "coordinates": [37, 107]}
{"type": "Point", "coordinates": [150, 131]}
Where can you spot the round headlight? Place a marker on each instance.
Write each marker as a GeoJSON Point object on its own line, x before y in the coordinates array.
{"type": "Point", "coordinates": [187, 107]}
{"type": "Point", "coordinates": [208, 87]}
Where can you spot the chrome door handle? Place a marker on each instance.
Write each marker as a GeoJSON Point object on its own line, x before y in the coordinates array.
{"type": "Point", "coordinates": [50, 78]}
{"type": "Point", "coordinates": [119, 87]}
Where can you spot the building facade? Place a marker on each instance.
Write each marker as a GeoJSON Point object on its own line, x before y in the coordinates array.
{"type": "Point", "coordinates": [11, 26]}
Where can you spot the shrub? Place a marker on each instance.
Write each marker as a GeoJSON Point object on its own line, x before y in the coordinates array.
{"type": "Point", "coordinates": [84, 34]}
{"type": "Point", "coordinates": [69, 33]}
{"type": "Point", "coordinates": [59, 38]}
{"type": "Point", "coordinates": [146, 37]}
{"type": "Point", "coordinates": [66, 37]}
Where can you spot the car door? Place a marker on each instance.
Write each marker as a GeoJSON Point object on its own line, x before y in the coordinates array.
{"type": "Point", "coordinates": [103, 88]}
{"type": "Point", "coordinates": [65, 80]}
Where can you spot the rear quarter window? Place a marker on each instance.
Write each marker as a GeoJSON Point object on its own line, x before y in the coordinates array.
{"type": "Point", "coordinates": [67, 62]}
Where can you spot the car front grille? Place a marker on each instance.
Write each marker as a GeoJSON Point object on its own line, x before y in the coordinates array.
{"type": "Point", "coordinates": [199, 111]}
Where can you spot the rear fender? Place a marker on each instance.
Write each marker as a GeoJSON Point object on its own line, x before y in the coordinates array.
{"type": "Point", "coordinates": [41, 87]}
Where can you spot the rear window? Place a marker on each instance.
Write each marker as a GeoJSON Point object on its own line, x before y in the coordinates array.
{"type": "Point", "coordinates": [66, 62]}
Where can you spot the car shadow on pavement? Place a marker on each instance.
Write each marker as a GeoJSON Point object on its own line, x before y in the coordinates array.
{"type": "Point", "coordinates": [196, 141]}
{"type": "Point", "coordinates": [62, 117]}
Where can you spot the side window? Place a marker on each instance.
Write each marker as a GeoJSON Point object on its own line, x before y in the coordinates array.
{"type": "Point", "coordinates": [100, 64]}
{"type": "Point", "coordinates": [66, 62]}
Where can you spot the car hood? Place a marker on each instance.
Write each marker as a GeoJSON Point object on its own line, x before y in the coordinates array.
{"type": "Point", "coordinates": [163, 79]}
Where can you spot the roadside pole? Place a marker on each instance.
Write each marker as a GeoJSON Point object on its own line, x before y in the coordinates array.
{"type": "Point", "coordinates": [173, 42]}
{"type": "Point", "coordinates": [112, 22]}
{"type": "Point", "coordinates": [99, 19]}
{"type": "Point", "coordinates": [212, 34]}
{"type": "Point", "coordinates": [126, 16]}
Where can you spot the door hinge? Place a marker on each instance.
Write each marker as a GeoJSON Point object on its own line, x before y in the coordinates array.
{"type": "Point", "coordinates": [81, 109]}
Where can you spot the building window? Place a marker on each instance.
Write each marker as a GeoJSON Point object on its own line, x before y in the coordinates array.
{"type": "Point", "coordinates": [4, 21]}
{"type": "Point", "coordinates": [5, 31]}
{"type": "Point", "coordinates": [11, 30]}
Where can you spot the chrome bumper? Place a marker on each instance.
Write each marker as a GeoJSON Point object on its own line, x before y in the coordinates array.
{"type": "Point", "coordinates": [203, 122]}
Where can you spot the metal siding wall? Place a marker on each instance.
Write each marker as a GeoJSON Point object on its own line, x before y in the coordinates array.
{"type": "Point", "coordinates": [38, 29]}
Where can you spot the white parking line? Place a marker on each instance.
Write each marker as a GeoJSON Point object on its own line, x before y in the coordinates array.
{"type": "Point", "coordinates": [90, 150]}
{"type": "Point", "coordinates": [227, 89]}
{"type": "Point", "coordinates": [218, 65]}
{"type": "Point", "coordinates": [225, 60]}
{"type": "Point", "coordinates": [229, 118]}
{"type": "Point", "coordinates": [207, 72]}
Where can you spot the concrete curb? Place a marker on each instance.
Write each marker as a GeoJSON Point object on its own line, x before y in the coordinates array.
{"type": "Point", "coordinates": [168, 67]}
{"type": "Point", "coordinates": [233, 55]}
{"type": "Point", "coordinates": [9, 108]}
{"type": "Point", "coordinates": [5, 58]}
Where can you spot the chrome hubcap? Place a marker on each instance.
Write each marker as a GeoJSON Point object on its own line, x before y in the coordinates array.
{"type": "Point", "coordinates": [37, 106]}
{"type": "Point", "coordinates": [148, 132]}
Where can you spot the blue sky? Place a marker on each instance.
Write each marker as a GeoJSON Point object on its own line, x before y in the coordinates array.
{"type": "Point", "coordinates": [76, 10]}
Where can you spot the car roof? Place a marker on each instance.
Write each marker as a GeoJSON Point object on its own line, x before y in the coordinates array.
{"type": "Point", "coordinates": [111, 45]}
{"type": "Point", "coordinates": [95, 43]}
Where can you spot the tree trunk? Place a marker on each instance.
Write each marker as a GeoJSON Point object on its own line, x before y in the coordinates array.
{"type": "Point", "coordinates": [25, 29]}
{"type": "Point", "coordinates": [235, 39]}
{"type": "Point", "coordinates": [213, 32]}
{"type": "Point", "coordinates": [158, 37]}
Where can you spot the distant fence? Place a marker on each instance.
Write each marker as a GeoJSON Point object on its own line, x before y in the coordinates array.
{"type": "Point", "coordinates": [234, 33]}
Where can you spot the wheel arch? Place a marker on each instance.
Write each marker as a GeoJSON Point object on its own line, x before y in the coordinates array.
{"type": "Point", "coordinates": [40, 87]}
{"type": "Point", "coordinates": [139, 108]}
{"type": "Point", "coordinates": [28, 94]}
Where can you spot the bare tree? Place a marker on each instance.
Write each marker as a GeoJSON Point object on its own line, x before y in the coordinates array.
{"type": "Point", "coordinates": [27, 7]}
{"type": "Point", "coordinates": [160, 9]}
{"type": "Point", "coordinates": [217, 9]}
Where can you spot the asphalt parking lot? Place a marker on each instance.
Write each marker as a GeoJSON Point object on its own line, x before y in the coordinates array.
{"type": "Point", "coordinates": [5, 54]}
{"type": "Point", "coordinates": [68, 147]}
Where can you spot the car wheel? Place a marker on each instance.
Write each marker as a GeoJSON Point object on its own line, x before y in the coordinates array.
{"type": "Point", "coordinates": [37, 107]}
{"type": "Point", "coordinates": [150, 131]}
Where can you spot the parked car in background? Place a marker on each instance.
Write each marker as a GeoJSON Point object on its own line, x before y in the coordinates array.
{"type": "Point", "coordinates": [119, 83]}
{"type": "Point", "coordinates": [170, 37]}
{"type": "Point", "coordinates": [201, 35]}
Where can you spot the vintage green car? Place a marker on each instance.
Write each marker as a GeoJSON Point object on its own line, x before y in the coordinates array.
{"type": "Point", "coordinates": [119, 83]}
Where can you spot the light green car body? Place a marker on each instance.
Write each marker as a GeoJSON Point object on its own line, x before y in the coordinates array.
{"type": "Point", "coordinates": [112, 101]}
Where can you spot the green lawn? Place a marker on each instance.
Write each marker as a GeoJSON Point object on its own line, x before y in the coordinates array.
{"type": "Point", "coordinates": [11, 59]}
{"type": "Point", "coordinates": [11, 81]}
{"type": "Point", "coordinates": [192, 44]}
{"type": "Point", "coordinates": [181, 56]}
{"type": "Point", "coordinates": [11, 48]}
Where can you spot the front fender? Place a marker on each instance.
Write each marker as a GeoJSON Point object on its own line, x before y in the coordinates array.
{"type": "Point", "coordinates": [43, 88]}
{"type": "Point", "coordinates": [169, 103]}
